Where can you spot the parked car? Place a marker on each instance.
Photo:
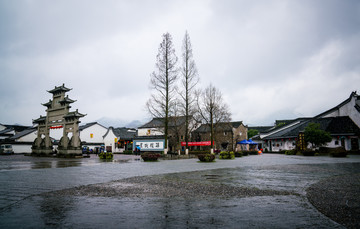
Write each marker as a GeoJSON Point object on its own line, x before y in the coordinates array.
{"type": "Point", "coordinates": [6, 149]}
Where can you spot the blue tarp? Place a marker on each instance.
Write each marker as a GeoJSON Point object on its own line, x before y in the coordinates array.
{"type": "Point", "coordinates": [247, 142]}
{"type": "Point", "coordinates": [244, 142]}
{"type": "Point", "coordinates": [252, 142]}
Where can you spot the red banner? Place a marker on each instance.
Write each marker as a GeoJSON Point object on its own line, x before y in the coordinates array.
{"type": "Point", "coordinates": [56, 127]}
{"type": "Point", "coordinates": [197, 143]}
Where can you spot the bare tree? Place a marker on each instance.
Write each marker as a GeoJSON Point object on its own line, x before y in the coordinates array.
{"type": "Point", "coordinates": [189, 81]}
{"type": "Point", "coordinates": [212, 109]}
{"type": "Point", "coordinates": [163, 81]}
{"type": "Point", "coordinates": [176, 126]}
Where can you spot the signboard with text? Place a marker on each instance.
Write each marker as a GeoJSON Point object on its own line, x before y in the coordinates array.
{"type": "Point", "coordinates": [207, 143]}
{"type": "Point", "coordinates": [150, 145]}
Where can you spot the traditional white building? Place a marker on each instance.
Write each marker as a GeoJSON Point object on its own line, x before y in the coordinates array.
{"type": "Point", "coordinates": [22, 142]}
{"type": "Point", "coordinates": [91, 135]}
{"type": "Point", "coordinates": [118, 140]}
{"type": "Point", "coordinates": [350, 107]}
{"type": "Point", "coordinates": [341, 121]}
{"type": "Point", "coordinates": [153, 128]}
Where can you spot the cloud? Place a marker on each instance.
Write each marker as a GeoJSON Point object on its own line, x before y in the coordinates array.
{"type": "Point", "coordinates": [271, 59]}
{"type": "Point", "coordinates": [320, 84]}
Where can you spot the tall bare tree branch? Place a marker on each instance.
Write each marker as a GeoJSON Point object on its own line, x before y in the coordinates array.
{"type": "Point", "coordinates": [212, 109]}
{"type": "Point", "coordinates": [189, 81]}
{"type": "Point", "coordinates": [163, 81]}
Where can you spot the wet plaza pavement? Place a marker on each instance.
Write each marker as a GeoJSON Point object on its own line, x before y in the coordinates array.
{"type": "Point", "coordinates": [74, 193]}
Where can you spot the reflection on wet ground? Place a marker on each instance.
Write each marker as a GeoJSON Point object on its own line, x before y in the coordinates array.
{"type": "Point", "coordinates": [101, 212]}
{"type": "Point", "coordinates": [32, 197]}
{"type": "Point", "coordinates": [21, 162]}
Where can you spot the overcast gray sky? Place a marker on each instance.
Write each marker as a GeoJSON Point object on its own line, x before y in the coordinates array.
{"type": "Point", "coordinates": [271, 59]}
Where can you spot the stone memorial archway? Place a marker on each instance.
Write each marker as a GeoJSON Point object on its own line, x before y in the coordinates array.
{"type": "Point", "coordinates": [58, 115]}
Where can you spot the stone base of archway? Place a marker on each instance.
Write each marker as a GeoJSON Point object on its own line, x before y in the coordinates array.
{"type": "Point", "coordinates": [42, 152]}
{"type": "Point", "coordinates": [70, 153]}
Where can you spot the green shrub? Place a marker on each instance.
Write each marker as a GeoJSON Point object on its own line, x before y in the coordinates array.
{"type": "Point", "coordinates": [338, 152]}
{"type": "Point", "coordinates": [253, 152]}
{"type": "Point", "coordinates": [245, 153]}
{"type": "Point", "coordinates": [249, 152]}
{"type": "Point", "coordinates": [290, 152]}
{"type": "Point", "coordinates": [128, 152]}
{"type": "Point", "coordinates": [239, 154]}
{"type": "Point", "coordinates": [206, 157]}
{"type": "Point", "coordinates": [106, 155]}
{"type": "Point", "coordinates": [197, 152]}
{"type": "Point", "coordinates": [308, 153]}
{"type": "Point", "coordinates": [227, 155]}
{"type": "Point", "coordinates": [148, 156]}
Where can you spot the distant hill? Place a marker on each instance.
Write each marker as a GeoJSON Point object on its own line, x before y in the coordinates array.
{"type": "Point", "coordinates": [107, 122]}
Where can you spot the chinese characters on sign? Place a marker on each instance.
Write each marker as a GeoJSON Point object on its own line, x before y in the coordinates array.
{"type": "Point", "coordinates": [150, 145]}
{"type": "Point", "coordinates": [301, 141]}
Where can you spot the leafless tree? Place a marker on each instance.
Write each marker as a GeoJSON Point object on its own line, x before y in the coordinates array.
{"type": "Point", "coordinates": [189, 80]}
{"type": "Point", "coordinates": [163, 81]}
{"type": "Point", "coordinates": [212, 109]}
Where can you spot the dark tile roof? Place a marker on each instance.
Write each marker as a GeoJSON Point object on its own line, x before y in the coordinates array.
{"type": "Point", "coordinates": [159, 122]}
{"type": "Point", "coordinates": [59, 89]}
{"type": "Point", "coordinates": [149, 137]}
{"type": "Point", "coordinates": [357, 106]}
{"type": "Point", "coordinates": [341, 125]}
{"type": "Point", "coordinates": [223, 126]}
{"type": "Point", "coordinates": [4, 132]}
{"type": "Point", "coordinates": [74, 114]}
{"type": "Point", "coordinates": [123, 133]}
{"type": "Point", "coordinates": [289, 122]}
{"type": "Point", "coordinates": [87, 125]}
{"type": "Point", "coordinates": [23, 133]}
{"type": "Point", "coordinates": [67, 100]}
{"type": "Point", "coordinates": [48, 104]}
{"type": "Point", "coordinates": [283, 122]}
{"type": "Point", "coordinates": [9, 128]}
{"type": "Point", "coordinates": [260, 128]}
{"type": "Point", "coordinates": [40, 120]}
{"type": "Point", "coordinates": [17, 128]}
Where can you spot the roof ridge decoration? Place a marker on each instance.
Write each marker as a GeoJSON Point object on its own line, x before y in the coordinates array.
{"type": "Point", "coordinates": [59, 89]}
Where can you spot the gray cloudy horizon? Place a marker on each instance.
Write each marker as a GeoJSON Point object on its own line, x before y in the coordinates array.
{"type": "Point", "coordinates": [272, 59]}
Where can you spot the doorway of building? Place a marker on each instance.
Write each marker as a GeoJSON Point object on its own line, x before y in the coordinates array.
{"type": "Point", "coordinates": [354, 144]}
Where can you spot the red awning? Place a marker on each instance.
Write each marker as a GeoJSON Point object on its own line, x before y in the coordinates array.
{"type": "Point", "coordinates": [56, 127]}
{"type": "Point", "coordinates": [196, 143]}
